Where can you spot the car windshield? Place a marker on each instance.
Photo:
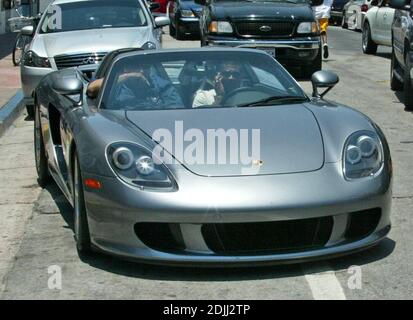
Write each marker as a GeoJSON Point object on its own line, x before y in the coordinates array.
{"type": "Point", "coordinates": [93, 14]}
{"type": "Point", "coordinates": [203, 79]}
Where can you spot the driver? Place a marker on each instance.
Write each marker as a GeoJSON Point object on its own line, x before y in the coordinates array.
{"type": "Point", "coordinates": [228, 78]}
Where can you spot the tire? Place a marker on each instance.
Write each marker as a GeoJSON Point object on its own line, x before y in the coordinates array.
{"type": "Point", "coordinates": [43, 176]}
{"type": "Point", "coordinates": [344, 24]}
{"type": "Point", "coordinates": [18, 50]}
{"type": "Point", "coordinates": [307, 71]}
{"type": "Point", "coordinates": [395, 83]}
{"type": "Point", "coordinates": [81, 226]}
{"type": "Point", "coordinates": [407, 85]}
{"type": "Point", "coordinates": [203, 42]}
{"type": "Point", "coordinates": [178, 34]}
{"type": "Point", "coordinates": [368, 45]}
{"type": "Point", "coordinates": [30, 111]}
{"type": "Point", "coordinates": [172, 31]}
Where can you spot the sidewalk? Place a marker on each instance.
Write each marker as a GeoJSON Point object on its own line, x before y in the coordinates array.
{"type": "Point", "coordinates": [9, 74]}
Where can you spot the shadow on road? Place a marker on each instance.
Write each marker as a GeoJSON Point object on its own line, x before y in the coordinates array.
{"type": "Point", "coordinates": [6, 44]}
{"type": "Point", "coordinates": [400, 96]}
{"type": "Point", "coordinates": [386, 55]}
{"type": "Point", "coordinates": [186, 273]}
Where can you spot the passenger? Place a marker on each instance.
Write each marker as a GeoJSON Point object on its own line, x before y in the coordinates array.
{"type": "Point", "coordinates": [227, 79]}
{"type": "Point", "coordinates": [142, 87]}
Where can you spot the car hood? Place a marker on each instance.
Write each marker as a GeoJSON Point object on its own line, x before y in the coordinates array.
{"type": "Point", "coordinates": [289, 138]}
{"type": "Point", "coordinates": [269, 10]}
{"type": "Point", "coordinates": [96, 40]}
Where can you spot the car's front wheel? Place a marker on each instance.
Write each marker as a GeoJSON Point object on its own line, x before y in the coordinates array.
{"type": "Point", "coordinates": [395, 83]}
{"type": "Point", "coordinates": [30, 110]}
{"type": "Point", "coordinates": [369, 47]}
{"type": "Point", "coordinates": [344, 24]}
{"type": "Point", "coordinates": [81, 226]}
{"type": "Point", "coordinates": [407, 84]}
{"type": "Point", "coordinates": [43, 176]}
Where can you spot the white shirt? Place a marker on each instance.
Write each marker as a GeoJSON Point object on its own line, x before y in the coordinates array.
{"type": "Point", "coordinates": [323, 11]}
{"type": "Point", "coordinates": [204, 98]}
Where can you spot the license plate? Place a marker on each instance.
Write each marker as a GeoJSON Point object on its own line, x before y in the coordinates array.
{"type": "Point", "coordinates": [270, 51]}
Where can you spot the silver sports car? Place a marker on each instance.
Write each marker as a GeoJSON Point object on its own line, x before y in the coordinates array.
{"type": "Point", "coordinates": [211, 157]}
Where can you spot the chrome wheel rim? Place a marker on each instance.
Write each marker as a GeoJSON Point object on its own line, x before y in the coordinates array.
{"type": "Point", "coordinates": [364, 36]}
{"type": "Point", "coordinates": [37, 139]}
{"type": "Point", "coordinates": [76, 199]}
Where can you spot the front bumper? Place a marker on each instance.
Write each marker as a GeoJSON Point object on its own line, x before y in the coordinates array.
{"type": "Point", "coordinates": [336, 14]}
{"type": "Point", "coordinates": [189, 26]}
{"type": "Point", "coordinates": [30, 78]}
{"type": "Point", "coordinates": [296, 51]}
{"type": "Point", "coordinates": [116, 210]}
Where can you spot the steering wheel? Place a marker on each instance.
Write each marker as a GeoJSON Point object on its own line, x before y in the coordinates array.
{"type": "Point", "coordinates": [249, 94]}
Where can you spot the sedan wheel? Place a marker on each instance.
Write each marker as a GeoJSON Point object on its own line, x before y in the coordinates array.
{"type": "Point", "coordinates": [81, 227]}
{"type": "Point", "coordinates": [407, 81]}
{"type": "Point", "coordinates": [369, 47]}
{"type": "Point", "coordinates": [40, 153]}
{"type": "Point", "coordinates": [343, 21]}
{"type": "Point", "coordinates": [395, 83]}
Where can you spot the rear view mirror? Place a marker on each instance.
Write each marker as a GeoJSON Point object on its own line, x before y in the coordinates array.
{"type": "Point", "coordinates": [323, 79]}
{"type": "Point", "coordinates": [27, 31]}
{"type": "Point", "coordinates": [70, 87]}
{"type": "Point", "coordinates": [162, 21]}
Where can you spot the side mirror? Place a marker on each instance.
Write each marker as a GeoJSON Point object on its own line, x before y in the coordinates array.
{"type": "Point", "coordinates": [162, 21]}
{"type": "Point", "coordinates": [71, 87]}
{"type": "Point", "coordinates": [316, 2]}
{"type": "Point", "coordinates": [154, 6]}
{"type": "Point", "coordinates": [399, 4]}
{"type": "Point", "coordinates": [27, 31]}
{"type": "Point", "coordinates": [200, 2]}
{"type": "Point", "coordinates": [323, 79]}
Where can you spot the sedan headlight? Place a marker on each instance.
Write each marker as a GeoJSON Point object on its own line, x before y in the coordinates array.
{"type": "Point", "coordinates": [363, 155]}
{"type": "Point", "coordinates": [307, 27]}
{"type": "Point", "coordinates": [33, 60]}
{"type": "Point", "coordinates": [187, 13]}
{"type": "Point", "coordinates": [220, 27]}
{"type": "Point", "coordinates": [136, 166]}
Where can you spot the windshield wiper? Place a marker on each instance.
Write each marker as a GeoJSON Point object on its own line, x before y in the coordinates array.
{"type": "Point", "coordinates": [274, 100]}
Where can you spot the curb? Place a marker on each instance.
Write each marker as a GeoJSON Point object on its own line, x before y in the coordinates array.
{"type": "Point", "coordinates": [10, 111]}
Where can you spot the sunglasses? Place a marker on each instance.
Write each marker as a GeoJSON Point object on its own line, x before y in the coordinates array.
{"type": "Point", "coordinates": [233, 74]}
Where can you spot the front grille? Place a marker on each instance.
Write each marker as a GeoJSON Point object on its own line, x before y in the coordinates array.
{"type": "Point", "coordinates": [260, 238]}
{"type": "Point", "coordinates": [265, 29]}
{"type": "Point", "coordinates": [74, 60]}
{"type": "Point", "coordinates": [267, 237]}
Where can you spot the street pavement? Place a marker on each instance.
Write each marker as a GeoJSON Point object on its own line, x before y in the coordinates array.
{"type": "Point", "coordinates": [9, 74]}
{"type": "Point", "coordinates": [36, 225]}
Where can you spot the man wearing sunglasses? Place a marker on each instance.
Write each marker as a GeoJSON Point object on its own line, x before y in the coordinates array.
{"type": "Point", "coordinates": [227, 79]}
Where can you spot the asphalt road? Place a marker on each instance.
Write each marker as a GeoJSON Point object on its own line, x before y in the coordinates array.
{"type": "Point", "coordinates": [36, 225]}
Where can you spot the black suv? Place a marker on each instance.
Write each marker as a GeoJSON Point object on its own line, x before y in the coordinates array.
{"type": "Point", "coordinates": [286, 29]}
{"type": "Point", "coordinates": [401, 70]}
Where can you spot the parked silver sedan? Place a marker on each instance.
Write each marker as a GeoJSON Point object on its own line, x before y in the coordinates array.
{"type": "Point", "coordinates": [78, 32]}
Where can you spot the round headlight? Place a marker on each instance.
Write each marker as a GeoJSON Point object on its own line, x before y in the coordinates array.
{"type": "Point", "coordinates": [367, 146]}
{"type": "Point", "coordinates": [353, 154]}
{"type": "Point", "coordinates": [145, 165]}
{"type": "Point", "coordinates": [122, 158]}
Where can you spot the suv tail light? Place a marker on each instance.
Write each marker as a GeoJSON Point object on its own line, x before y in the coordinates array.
{"type": "Point", "coordinates": [364, 8]}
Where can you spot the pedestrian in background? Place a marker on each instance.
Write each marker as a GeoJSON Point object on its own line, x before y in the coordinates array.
{"type": "Point", "coordinates": [322, 14]}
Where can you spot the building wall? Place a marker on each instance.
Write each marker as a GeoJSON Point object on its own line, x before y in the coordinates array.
{"type": "Point", "coordinates": [5, 14]}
